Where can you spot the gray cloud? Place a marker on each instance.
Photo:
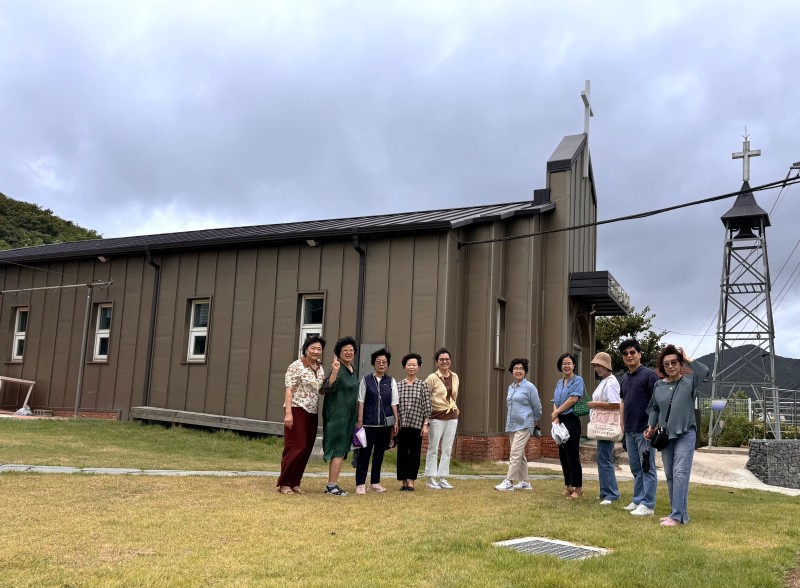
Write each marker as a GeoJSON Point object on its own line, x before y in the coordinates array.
{"type": "Point", "coordinates": [138, 117]}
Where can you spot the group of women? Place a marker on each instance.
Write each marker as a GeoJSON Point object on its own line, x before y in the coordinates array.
{"type": "Point", "coordinates": [671, 407]}
{"type": "Point", "coordinates": [390, 413]}
{"type": "Point", "coordinates": [403, 412]}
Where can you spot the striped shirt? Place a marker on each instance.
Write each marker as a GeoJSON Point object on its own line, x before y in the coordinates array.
{"type": "Point", "coordinates": [415, 403]}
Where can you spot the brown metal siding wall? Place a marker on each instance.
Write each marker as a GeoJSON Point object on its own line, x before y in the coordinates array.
{"type": "Point", "coordinates": [477, 400]}
{"type": "Point", "coordinates": [130, 325]}
{"type": "Point", "coordinates": [263, 358]}
{"type": "Point", "coordinates": [241, 332]}
{"type": "Point", "coordinates": [524, 285]}
{"type": "Point", "coordinates": [425, 291]}
{"type": "Point", "coordinates": [56, 318]}
{"type": "Point", "coordinates": [401, 302]}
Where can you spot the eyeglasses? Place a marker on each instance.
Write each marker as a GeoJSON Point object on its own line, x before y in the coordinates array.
{"type": "Point", "coordinates": [671, 363]}
{"type": "Point", "coordinates": [443, 359]}
{"type": "Point", "coordinates": [380, 361]}
{"type": "Point", "coordinates": [630, 352]}
{"type": "Point", "coordinates": [566, 363]}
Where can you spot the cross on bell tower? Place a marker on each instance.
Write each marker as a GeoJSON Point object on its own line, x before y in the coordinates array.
{"type": "Point", "coordinates": [745, 331]}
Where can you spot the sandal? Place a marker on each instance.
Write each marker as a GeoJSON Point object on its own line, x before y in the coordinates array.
{"type": "Point", "coordinates": [670, 523]}
{"type": "Point", "coordinates": [569, 490]}
{"type": "Point", "coordinates": [285, 490]}
{"type": "Point", "coordinates": [335, 490]}
{"type": "Point", "coordinates": [577, 493]}
{"type": "Point", "coordinates": [298, 490]}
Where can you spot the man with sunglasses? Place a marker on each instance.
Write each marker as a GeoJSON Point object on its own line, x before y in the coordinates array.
{"type": "Point", "coordinates": [636, 390]}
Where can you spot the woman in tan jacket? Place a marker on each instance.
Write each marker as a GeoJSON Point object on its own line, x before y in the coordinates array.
{"type": "Point", "coordinates": [443, 385]}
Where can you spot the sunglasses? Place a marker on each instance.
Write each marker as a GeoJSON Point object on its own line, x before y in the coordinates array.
{"type": "Point", "coordinates": [630, 352]}
{"type": "Point", "coordinates": [671, 363]}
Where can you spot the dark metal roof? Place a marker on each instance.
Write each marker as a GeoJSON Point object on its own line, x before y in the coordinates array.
{"type": "Point", "coordinates": [319, 230]}
{"type": "Point", "coordinates": [745, 211]}
{"type": "Point", "coordinates": [600, 291]}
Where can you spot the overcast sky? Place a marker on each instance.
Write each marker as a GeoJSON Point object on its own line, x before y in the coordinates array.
{"type": "Point", "coordinates": [144, 117]}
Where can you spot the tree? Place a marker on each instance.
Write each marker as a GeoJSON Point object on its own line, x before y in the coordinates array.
{"type": "Point", "coordinates": [26, 225]}
{"type": "Point", "coordinates": [610, 331]}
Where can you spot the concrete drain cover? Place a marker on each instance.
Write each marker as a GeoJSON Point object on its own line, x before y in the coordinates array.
{"type": "Point", "coordinates": [543, 546]}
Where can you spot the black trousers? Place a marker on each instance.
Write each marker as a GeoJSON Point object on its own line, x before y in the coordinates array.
{"type": "Point", "coordinates": [377, 440]}
{"type": "Point", "coordinates": [569, 452]}
{"type": "Point", "coordinates": [409, 447]}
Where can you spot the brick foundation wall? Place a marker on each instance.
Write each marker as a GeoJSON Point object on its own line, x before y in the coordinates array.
{"type": "Point", "coordinates": [496, 447]}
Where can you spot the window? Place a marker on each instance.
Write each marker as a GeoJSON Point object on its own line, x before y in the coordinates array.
{"type": "Point", "coordinates": [499, 332]}
{"type": "Point", "coordinates": [198, 330]}
{"type": "Point", "coordinates": [102, 332]}
{"type": "Point", "coordinates": [312, 309]}
{"type": "Point", "coordinates": [20, 328]}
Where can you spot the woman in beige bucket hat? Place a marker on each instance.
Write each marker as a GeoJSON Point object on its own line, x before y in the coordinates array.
{"type": "Point", "coordinates": [605, 397]}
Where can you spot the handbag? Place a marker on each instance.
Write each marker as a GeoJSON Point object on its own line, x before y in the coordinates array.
{"type": "Point", "coordinates": [604, 424]}
{"type": "Point", "coordinates": [580, 408]}
{"type": "Point", "coordinates": [660, 438]}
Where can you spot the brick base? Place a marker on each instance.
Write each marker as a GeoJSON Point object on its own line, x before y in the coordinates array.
{"type": "Point", "coordinates": [496, 447]}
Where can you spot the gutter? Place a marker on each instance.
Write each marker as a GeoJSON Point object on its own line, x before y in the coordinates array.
{"type": "Point", "coordinates": [362, 272]}
{"type": "Point", "coordinates": [148, 369]}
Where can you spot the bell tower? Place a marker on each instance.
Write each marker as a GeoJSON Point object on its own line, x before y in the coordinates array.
{"type": "Point", "coordinates": [745, 331]}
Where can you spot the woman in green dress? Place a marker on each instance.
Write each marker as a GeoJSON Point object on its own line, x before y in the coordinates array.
{"type": "Point", "coordinates": [339, 411]}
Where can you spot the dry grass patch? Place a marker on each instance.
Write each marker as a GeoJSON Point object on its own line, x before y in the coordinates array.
{"type": "Point", "coordinates": [110, 531]}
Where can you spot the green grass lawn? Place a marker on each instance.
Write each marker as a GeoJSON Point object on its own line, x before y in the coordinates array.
{"type": "Point", "coordinates": [110, 444]}
{"type": "Point", "coordinates": [93, 531]}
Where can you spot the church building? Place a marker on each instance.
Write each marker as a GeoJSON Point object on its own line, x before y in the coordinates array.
{"type": "Point", "coordinates": [199, 327]}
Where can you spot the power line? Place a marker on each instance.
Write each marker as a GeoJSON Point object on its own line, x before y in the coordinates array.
{"type": "Point", "coordinates": [647, 214]}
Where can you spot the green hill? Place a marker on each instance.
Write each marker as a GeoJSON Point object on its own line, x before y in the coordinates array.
{"type": "Point", "coordinates": [27, 225]}
{"type": "Point", "coordinates": [752, 365]}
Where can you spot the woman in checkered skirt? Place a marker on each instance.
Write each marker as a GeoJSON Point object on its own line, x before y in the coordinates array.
{"type": "Point", "coordinates": [415, 411]}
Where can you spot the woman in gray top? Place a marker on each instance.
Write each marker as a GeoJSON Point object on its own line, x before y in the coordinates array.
{"type": "Point", "coordinates": [680, 391]}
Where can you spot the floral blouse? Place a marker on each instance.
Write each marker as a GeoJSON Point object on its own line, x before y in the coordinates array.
{"type": "Point", "coordinates": [305, 385]}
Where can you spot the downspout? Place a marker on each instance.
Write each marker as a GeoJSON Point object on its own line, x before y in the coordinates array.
{"type": "Point", "coordinates": [83, 347]}
{"type": "Point", "coordinates": [151, 335]}
{"type": "Point", "coordinates": [362, 272]}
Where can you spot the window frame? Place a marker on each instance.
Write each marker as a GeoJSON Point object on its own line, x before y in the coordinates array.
{"type": "Point", "coordinates": [195, 332]}
{"type": "Point", "coordinates": [19, 335]}
{"type": "Point", "coordinates": [307, 329]}
{"type": "Point", "coordinates": [499, 333]}
{"type": "Point", "coordinates": [100, 333]}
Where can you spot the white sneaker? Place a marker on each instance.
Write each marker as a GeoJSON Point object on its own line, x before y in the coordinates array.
{"type": "Point", "coordinates": [504, 485]}
{"type": "Point", "coordinates": [432, 484]}
{"type": "Point", "coordinates": [632, 506]}
{"type": "Point", "coordinates": [444, 484]}
{"type": "Point", "coordinates": [642, 511]}
{"type": "Point", "coordinates": [605, 502]}
{"type": "Point", "coordinates": [523, 486]}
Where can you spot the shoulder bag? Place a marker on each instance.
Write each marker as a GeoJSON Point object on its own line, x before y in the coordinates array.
{"type": "Point", "coordinates": [604, 424]}
{"type": "Point", "coordinates": [388, 419]}
{"type": "Point", "coordinates": [660, 438]}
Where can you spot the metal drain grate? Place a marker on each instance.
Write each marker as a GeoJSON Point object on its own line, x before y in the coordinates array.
{"type": "Point", "coordinates": [543, 546]}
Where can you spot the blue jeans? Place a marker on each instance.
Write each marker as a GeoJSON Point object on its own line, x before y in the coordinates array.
{"type": "Point", "coordinates": [678, 456]}
{"type": "Point", "coordinates": [644, 484]}
{"type": "Point", "coordinates": [605, 471]}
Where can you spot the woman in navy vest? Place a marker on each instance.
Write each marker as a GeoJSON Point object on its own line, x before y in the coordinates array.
{"type": "Point", "coordinates": [377, 413]}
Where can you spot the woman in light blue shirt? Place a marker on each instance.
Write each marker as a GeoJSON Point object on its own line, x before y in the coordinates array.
{"type": "Point", "coordinates": [524, 410]}
{"type": "Point", "coordinates": [568, 391]}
